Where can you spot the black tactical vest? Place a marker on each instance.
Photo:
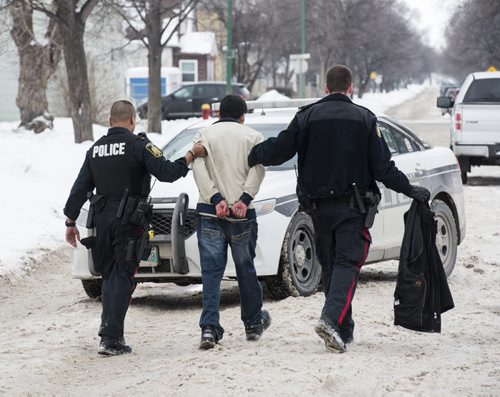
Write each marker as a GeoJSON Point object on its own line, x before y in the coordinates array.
{"type": "Point", "coordinates": [114, 166]}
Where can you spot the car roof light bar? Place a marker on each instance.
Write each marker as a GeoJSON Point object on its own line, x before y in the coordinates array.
{"type": "Point", "coordinates": [284, 103]}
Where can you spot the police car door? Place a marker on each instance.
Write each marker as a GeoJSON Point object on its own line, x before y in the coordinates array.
{"type": "Point", "coordinates": [409, 157]}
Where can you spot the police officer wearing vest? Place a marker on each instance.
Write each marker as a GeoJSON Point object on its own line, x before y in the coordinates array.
{"type": "Point", "coordinates": [341, 154]}
{"type": "Point", "coordinates": [118, 166]}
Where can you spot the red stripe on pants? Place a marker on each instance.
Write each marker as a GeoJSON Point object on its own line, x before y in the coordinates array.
{"type": "Point", "coordinates": [359, 265]}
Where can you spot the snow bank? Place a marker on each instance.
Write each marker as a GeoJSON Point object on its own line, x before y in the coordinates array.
{"type": "Point", "coordinates": [380, 102]}
{"type": "Point", "coordinates": [272, 95]}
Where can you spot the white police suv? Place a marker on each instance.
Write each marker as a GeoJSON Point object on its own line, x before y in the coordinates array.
{"type": "Point", "coordinates": [286, 255]}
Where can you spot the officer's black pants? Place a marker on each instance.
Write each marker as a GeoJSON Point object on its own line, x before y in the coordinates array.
{"type": "Point", "coordinates": [109, 255]}
{"type": "Point", "coordinates": [342, 243]}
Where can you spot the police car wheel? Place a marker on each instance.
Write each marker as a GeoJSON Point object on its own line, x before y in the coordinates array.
{"type": "Point", "coordinates": [299, 272]}
{"type": "Point", "coordinates": [92, 288]}
{"type": "Point", "coordinates": [446, 236]}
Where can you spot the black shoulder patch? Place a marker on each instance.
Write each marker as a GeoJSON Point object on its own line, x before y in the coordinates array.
{"type": "Point", "coordinates": [142, 136]}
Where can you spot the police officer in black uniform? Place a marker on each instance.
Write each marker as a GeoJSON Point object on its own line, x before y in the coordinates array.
{"type": "Point", "coordinates": [341, 154]}
{"type": "Point", "coordinates": [119, 161]}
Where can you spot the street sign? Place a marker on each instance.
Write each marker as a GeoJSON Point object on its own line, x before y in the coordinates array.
{"type": "Point", "coordinates": [294, 57]}
{"type": "Point", "coordinates": [492, 69]}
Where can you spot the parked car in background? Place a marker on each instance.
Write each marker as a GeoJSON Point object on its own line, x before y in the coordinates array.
{"type": "Point", "coordinates": [186, 101]}
{"type": "Point", "coordinates": [447, 84]}
{"type": "Point", "coordinates": [450, 92]}
{"type": "Point", "coordinates": [475, 121]}
{"type": "Point", "coordinates": [286, 254]}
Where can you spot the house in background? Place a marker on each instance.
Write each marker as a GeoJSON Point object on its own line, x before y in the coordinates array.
{"type": "Point", "coordinates": [208, 21]}
{"type": "Point", "coordinates": [195, 56]}
{"type": "Point", "coordinates": [192, 56]}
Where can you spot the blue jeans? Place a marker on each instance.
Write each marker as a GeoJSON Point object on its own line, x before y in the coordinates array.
{"type": "Point", "coordinates": [214, 236]}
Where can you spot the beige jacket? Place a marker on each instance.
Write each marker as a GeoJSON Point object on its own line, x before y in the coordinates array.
{"type": "Point", "coordinates": [225, 169]}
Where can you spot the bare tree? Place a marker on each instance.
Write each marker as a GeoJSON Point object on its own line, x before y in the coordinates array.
{"type": "Point", "coordinates": [253, 35]}
{"type": "Point", "coordinates": [283, 26]}
{"type": "Point", "coordinates": [154, 22]}
{"type": "Point", "coordinates": [101, 94]}
{"type": "Point", "coordinates": [37, 63]}
{"type": "Point", "coordinates": [71, 18]}
{"type": "Point", "coordinates": [327, 41]}
{"type": "Point", "coordinates": [473, 37]}
{"type": "Point", "coordinates": [368, 36]}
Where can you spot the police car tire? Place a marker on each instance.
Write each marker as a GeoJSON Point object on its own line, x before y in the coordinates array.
{"type": "Point", "coordinates": [297, 276]}
{"type": "Point", "coordinates": [92, 288]}
{"type": "Point", "coordinates": [447, 232]}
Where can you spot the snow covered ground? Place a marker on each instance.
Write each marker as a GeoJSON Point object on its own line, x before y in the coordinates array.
{"type": "Point", "coordinates": [38, 172]}
{"type": "Point", "coordinates": [48, 332]}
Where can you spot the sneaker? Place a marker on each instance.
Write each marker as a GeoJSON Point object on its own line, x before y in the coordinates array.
{"type": "Point", "coordinates": [331, 336]}
{"type": "Point", "coordinates": [113, 347]}
{"type": "Point", "coordinates": [208, 337]}
{"type": "Point", "coordinates": [255, 331]}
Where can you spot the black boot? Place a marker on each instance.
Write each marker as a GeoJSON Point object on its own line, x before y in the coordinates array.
{"type": "Point", "coordinates": [113, 346]}
{"type": "Point", "coordinates": [347, 331]}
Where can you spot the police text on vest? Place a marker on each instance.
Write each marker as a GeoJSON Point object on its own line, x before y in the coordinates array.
{"type": "Point", "coordinates": [110, 149]}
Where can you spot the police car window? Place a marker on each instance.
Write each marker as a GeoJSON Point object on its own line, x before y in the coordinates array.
{"type": "Point", "coordinates": [178, 146]}
{"type": "Point", "coordinates": [184, 92]}
{"type": "Point", "coordinates": [389, 139]}
{"type": "Point", "coordinates": [396, 140]}
{"type": "Point", "coordinates": [404, 144]}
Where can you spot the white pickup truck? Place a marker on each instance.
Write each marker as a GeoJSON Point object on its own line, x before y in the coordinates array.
{"type": "Point", "coordinates": [475, 121]}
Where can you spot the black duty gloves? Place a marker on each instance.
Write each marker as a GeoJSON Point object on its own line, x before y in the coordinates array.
{"type": "Point", "coordinates": [421, 194]}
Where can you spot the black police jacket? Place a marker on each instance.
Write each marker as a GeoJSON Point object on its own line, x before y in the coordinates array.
{"type": "Point", "coordinates": [338, 144]}
{"type": "Point", "coordinates": [117, 161]}
{"type": "Point", "coordinates": [422, 291]}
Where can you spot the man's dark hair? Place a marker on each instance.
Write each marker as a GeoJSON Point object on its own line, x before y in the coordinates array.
{"type": "Point", "coordinates": [121, 111]}
{"type": "Point", "coordinates": [338, 78]}
{"type": "Point", "coordinates": [232, 106]}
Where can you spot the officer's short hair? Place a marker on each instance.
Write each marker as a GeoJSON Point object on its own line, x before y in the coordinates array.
{"type": "Point", "coordinates": [121, 111]}
{"type": "Point", "coordinates": [232, 106]}
{"type": "Point", "coordinates": [338, 78]}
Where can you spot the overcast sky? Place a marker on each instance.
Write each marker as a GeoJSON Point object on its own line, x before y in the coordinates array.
{"type": "Point", "coordinates": [431, 18]}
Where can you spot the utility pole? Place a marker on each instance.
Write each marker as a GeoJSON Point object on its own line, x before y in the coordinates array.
{"type": "Point", "coordinates": [229, 53]}
{"type": "Point", "coordinates": [302, 77]}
